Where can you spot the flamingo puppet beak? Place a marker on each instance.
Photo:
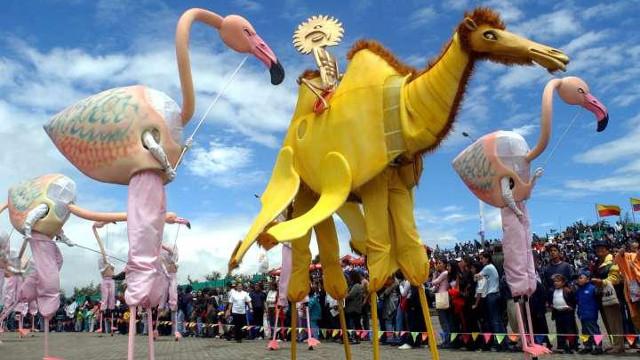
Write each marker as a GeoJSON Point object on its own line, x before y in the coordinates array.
{"type": "Point", "coordinates": [594, 105]}
{"type": "Point", "coordinates": [261, 50]}
{"type": "Point", "coordinates": [183, 221]}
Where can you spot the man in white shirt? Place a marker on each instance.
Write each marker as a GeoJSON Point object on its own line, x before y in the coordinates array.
{"type": "Point", "coordinates": [238, 300]}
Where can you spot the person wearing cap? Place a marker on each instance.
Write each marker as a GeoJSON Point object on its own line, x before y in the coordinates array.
{"type": "Point", "coordinates": [606, 276]}
{"type": "Point", "coordinates": [586, 299]}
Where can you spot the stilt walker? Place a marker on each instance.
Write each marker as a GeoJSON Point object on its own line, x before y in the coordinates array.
{"type": "Point", "coordinates": [107, 285]}
{"type": "Point", "coordinates": [139, 143]}
{"type": "Point", "coordinates": [496, 168]}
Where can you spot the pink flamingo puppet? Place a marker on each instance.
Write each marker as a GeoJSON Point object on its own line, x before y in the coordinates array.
{"type": "Point", "coordinates": [132, 136]}
{"type": "Point", "coordinates": [496, 168]}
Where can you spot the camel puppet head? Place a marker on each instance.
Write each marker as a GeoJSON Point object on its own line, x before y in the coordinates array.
{"type": "Point", "coordinates": [484, 35]}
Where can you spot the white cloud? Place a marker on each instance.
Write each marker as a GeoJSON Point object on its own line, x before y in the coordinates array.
{"type": "Point", "coordinates": [623, 183]}
{"type": "Point", "coordinates": [508, 9]}
{"type": "Point", "coordinates": [585, 40]}
{"type": "Point", "coordinates": [605, 10]}
{"type": "Point", "coordinates": [248, 5]}
{"type": "Point", "coordinates": [525, 130]}
{"type": "Point", "coordinates": [223, 165]}
{"type": "Point", "coordinates": [550, 26]}
{"type": "Point", "coordinates": [422, 17]}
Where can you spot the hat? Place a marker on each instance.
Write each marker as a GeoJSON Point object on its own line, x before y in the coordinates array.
{"type": "Point", "coordinates": [585, 272]}
{"type": "Point", "coordinates": [601, 243]}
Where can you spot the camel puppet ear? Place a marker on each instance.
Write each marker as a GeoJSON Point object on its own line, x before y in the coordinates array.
{"type": "Point", "coordinates": [470, 24]}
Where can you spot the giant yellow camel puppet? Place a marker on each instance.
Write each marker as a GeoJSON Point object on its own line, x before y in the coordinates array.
{"type": "Point", "coordinates": [368, 143]}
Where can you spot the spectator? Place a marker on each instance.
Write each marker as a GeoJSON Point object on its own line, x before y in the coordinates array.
{"type": "Point", "coordinates": [607, 277]}
{"type": "Point", "coordinates": [563, 313]}
{"type": "Point", "coordinates": [586, 300]}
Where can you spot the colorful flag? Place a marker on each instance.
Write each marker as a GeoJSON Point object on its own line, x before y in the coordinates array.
{"type": "Point", "coordinates": [635, 204]}
{"type": "Point", "coordinates": [608, 210]}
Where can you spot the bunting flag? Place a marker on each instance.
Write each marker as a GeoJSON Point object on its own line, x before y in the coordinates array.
{"type": "Point", "coordinates": [500, 338]}
{"type": "Point", "coordinates": [487, 337]}
{"type": "Point", "coordinates": [382, 334]}
{"type": "Point", "coordinates": [466, 338]}
{"type": "Point", "coordinates": [474, 335]}
{"type": "Point", "coordinates": [552, 338]}
{"type": "Point", "coordinates": [443, 335]}
{"type": "Point", "coordinates": [539, 338]}
{"type": "Point", "coordinates": [425, 336]}
{"type": "Point", "coordinates": [635, 204]}
{"type": "Point", "coordinates": [608, 210]}
{"type": "Point", "coordinates": [453, 337]}
{"type": "Point", "coordinates": [414, 335]}
{"type": "Point", "coordinates": [288, 331]}
{"type": "Point", "coordinates": [597, 339]}
{"type": "Point", "coordinates": [610, 339]}
{"type": "Point", "coordinates": [334, 333]}
{"type": "Point", "coordinates": [630, 339]}
{"type": "Point", "coordinates": [514, 337]}
{"type": "Point", "coordinates": [324, 333]}
{"type": "Point", "coordinates": [584, 338]}
{"type": "Point", "coordinates": [402, 333]}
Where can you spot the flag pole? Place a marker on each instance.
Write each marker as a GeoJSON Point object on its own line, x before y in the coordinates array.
{"type": "Point", "coordinates": [598, 217]}
{"type": "Point", "coordinates": [633, 212]}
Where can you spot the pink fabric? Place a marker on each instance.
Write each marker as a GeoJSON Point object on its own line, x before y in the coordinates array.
{"type": "Point", "coordinates": [285, 274]}
{"type": "Point", "coordinates": [12, 287]}
{"type": "Point", "coordinates": [173, 292]}
{"type": "Point", "coordinates": [518, 258]}
{"type": "Point", "coordinates": [108, 294]}
{"type": "Point", "coordinates": [146, 211]}
{"type": "Point", "coordinates": [48, 262]}
{"type": "Point", "coordinates": [33, 307]}
{"type": "Point", "coordinates": [29, 288]}
{"type": "Point", "coordinates": [442, 282]}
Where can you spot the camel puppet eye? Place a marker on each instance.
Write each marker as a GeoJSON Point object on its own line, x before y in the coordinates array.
{"type": "Point", "coordinates": [490, 35]}
{"type": "Point", "coordinates": [581, 90]}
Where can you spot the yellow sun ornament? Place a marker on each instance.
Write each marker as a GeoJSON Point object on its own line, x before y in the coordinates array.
{"type": "Point", "coordinates": [314, 35]}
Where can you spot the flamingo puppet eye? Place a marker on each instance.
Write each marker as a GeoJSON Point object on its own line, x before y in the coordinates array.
{"type": "Point", "coordinates": [581, 90]}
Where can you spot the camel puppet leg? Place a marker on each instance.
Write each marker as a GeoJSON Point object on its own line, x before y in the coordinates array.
{"type": "Point", "coordinates": [300, 254]}
{"type": "Point", "coordinates": [411, 254]}
{"type": "Point", "coordinates": [343, 329]}
{"type": "Point", "coordinates": [352, 216]}
{"type": "Point", "coordinates": [335, 185]}
{"type": "Point", "coordinates": [282, 188]}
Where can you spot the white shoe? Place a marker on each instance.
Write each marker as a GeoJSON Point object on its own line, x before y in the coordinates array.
{"type": "Point", "coordinates": [405, 347]}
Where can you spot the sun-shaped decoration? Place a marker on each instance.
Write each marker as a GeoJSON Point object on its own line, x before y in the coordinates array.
{"type": "Point", "coordinates": [317, 31]}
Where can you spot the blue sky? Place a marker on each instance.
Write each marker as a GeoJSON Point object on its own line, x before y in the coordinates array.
{"type": "Point", "coordinates": [54, 53]}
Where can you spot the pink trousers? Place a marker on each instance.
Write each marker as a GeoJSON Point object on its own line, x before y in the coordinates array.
{"type": "Point", "coordinates": [11, 289]}
{"type": "Point", "coordinates": [43, 285]}
{"type": "Point", "coordinates": [108, 294]}
{"type": "Point", "coordinates": [519, 267]}
{"type": "Point", "coordinates": [173, 292]}
{"type": "Point", "coordinates": [146, 209]}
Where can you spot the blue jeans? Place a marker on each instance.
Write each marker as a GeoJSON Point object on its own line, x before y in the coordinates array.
{"type": "Point", "coordinates": [444, 316]}
{"type": "Point", "coordinates": [180, 322]}
{"type": "Point", "coordinates": [590, 327]}
{"type": "Point", "coordinates": [400, 319]}
{"type": "Point", "coordinates": [494, 314]}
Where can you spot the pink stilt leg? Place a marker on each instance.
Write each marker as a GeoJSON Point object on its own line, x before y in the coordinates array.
{"type": "Point", "coordinates": [112, 328]}
{"type": "Point", "coordinates": [132, 332]}
{"type": "Point", "coordinates": [523, 336]}
{"type": "Point", "coordinates": [99, 331]}
{"type": "Point", "coordinates": [156, 334]}
{"type": "Point", "coordinates": [174, 325]}
{"type": "Point", "coordinates": [310, 339]}
{"type": "Point", "coordinates": [273, 344]}
{"type": "Point", "coordinates": [542, 350]}
{"type": "Point", "coordinates": [151, 354]}
{"type": "Point", "coordinates": [46, 341]}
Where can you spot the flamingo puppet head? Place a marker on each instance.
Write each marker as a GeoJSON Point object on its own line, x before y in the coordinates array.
{"type": "Point", "coordinates": [238, 34]}
{"type": "Point", "coordinates": [575, 91]}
